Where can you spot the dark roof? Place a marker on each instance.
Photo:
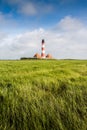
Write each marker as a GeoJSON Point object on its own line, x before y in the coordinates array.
{"type": "Point", "coordinates": [37, 55]}
{"type": "Point", "coordinates": [49, 56]}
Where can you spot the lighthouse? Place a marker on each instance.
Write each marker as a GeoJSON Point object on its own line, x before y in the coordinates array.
{"type": "Point", "coordinates": [43, 49]}
{"type": "Point", "coordinates": [43, 55]}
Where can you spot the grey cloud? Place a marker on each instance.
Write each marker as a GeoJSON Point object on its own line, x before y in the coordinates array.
{"type": "Point", "coordinates": [27, 9]}
{"type": "Point", "coordinates": [13, 2]}
{"type": "Point", "coordinates": [30, 7]}
{"type": "Point", "coordinates": [6, 21]}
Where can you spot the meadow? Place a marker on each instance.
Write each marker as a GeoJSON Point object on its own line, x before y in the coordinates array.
{"type": "Point", "coordinates": [43, 95]}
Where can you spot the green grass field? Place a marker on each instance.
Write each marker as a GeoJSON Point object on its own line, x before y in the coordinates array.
{"type": "Point", "coordinates": [43, 95]}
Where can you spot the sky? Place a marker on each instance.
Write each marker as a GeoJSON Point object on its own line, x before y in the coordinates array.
{"type": "Point", "coordinates": [61, 23]}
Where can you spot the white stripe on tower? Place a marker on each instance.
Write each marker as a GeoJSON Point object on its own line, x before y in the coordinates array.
{"type": "Point", "coordinates": [43, 49]}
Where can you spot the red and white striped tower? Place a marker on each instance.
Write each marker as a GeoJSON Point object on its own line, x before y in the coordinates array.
{"type": "Point", "coordinates": [43, 49]}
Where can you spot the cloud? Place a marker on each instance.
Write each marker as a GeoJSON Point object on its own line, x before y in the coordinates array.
{"type": "Point", "coordinates": [74, 41]}
{"type": "Point", "coordinates": [6, 21]}
{"type": "Point", "coordinates": [27, 9]}
{"type": "Point", "coordinates": [30, 7]}
{"type": "Point", "coordinates": [69, 23]}
{"type": "Point", "coordinates": [13, 2]}
{"type": "Point", "coordinates": [25, 44]}
{"type": "Point", "coordinates": [3, 37]}
{"type": "Point", "coordinates": [67, 40]}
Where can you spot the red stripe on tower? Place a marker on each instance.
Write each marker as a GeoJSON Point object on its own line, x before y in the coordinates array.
{"type": "Point", "coordinates": [43, 49]}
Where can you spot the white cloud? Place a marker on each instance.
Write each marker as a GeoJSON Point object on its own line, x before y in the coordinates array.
{"type": "Point", "coordinates": [21, 45]}
{"type": "Point", "coordinates": [68, 40]}
{"type": "Point", "coordinates": [69, 24]}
